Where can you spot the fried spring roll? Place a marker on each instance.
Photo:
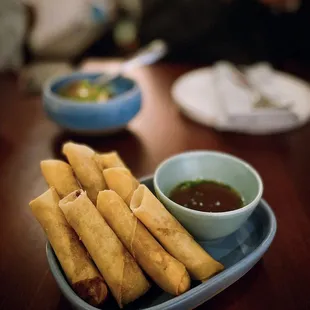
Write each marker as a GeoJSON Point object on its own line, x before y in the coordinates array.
{"type": "Point", "coordinates": [165, 270]}
{"type": "Point", "coordinates": [83, 276]}
{"type": "Point", "coordinates": [122, 274]}
{"type": "Point", "coordinates": [59, 174]}
{"type": "Point", "coordinates": [122, 182]}
{"type": "Point", "coordinates": [172, 235]}
{"type": "Point", "coordinates": [85, 168]}
{"type": "Point", "coordinates": [109, 160]}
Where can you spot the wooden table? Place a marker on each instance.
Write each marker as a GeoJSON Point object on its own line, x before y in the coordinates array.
{"type": "Point", "coordinates": [279, 281]}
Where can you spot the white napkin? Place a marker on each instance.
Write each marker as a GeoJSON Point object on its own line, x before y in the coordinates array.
{"type": "Point", "coordinates": [241, 96]}
{"type": "Point", "coordinates": [263, 79]}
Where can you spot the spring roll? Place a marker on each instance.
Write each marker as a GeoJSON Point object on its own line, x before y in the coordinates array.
{"type": "Point", "coordinates": [85, 168]}
{"type": "Point", "coordinates": [109, 160]}
{"type": "Point", "coordinates": [172, 235]}
{"type": "Point", "coordinates": [166, 271]}
{"type": "Point", "coordinates": [80, 271]}
{"type": "Point", "coordinates": [59, 174]}
{"type": "Point", "coordinates": [122, 274]}
{"type": "Point", "coordinates": [122, 182]}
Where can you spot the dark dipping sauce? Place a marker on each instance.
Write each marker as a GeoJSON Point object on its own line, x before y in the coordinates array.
{"type": "Point", "coordinates": [206, 196]}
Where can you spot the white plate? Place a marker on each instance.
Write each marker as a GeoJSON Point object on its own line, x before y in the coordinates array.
{"type": "Point", "coordinates": [196, 96]}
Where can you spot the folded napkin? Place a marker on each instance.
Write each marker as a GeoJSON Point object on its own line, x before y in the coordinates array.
{"type": "Point", "coordinates": [253, 100]}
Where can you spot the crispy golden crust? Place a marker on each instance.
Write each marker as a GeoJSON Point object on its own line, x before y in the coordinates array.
{"type": "Point", "coordinates": [109, 160]}
{"type": "Point", "coordinates": [122, 182]}
{"type": "Point", "coordinates": [172, 235]}
{"type": "Point", "coordinates": [60, 175]}
{"type": "Point", "coordinates": [122, 274]}
{"type": "Point", "coordinates": [72, 256]}
{"type": "Point", "coordinates": [81, 159]}
{"type": "Point", "coordinates": [93, 291]}
{"type": "Point", "coordinates": [165, 270]}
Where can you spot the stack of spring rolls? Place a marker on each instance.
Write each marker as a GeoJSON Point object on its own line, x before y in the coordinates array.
{"type": "Point", "coordinates": [107, 230]}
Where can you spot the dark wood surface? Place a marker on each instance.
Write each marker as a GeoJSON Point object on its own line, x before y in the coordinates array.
{"type": "Point", "coordinates": [279, 281]}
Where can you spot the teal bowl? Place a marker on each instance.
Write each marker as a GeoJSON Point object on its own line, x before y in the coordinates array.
{"type": "Point", "coordinates": [92, 117]}
{"type": "Point", "coordinates": [214, 166]}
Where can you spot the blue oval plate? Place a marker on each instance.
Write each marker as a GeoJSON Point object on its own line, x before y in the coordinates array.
{"type": "Point", "coordinates": [238, 252]}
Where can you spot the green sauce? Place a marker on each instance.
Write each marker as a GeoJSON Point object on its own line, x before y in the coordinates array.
{"type": "Point", "coordinates": [84, 90]}
{"type": "Point", "coordinates": [207, 196]}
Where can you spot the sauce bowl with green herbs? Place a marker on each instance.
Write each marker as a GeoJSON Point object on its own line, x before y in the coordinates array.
{"type": "Point", "coordinates": [211, 193]}
{"type": "Point", "coordinates": [75, 103]}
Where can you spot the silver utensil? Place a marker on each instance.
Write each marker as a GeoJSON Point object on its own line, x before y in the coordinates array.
{"type": "Point", "coordinates": [147, 55]}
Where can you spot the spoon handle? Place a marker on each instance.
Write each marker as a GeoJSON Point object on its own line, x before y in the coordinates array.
{"type": "Point", "coordinates": [147, 55]}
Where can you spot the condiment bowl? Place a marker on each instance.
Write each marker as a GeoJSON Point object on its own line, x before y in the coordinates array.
{"type": "Point", "coordinates": [92, 117]}
{"type": "Point", "coordinates": [215, 166]}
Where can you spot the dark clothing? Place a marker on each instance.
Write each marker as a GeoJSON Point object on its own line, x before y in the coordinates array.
{"type": "Point", "coordinates": [242, 31]}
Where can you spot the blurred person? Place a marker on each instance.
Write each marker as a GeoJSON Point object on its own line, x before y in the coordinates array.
{"type": "Point", "coordinates": [283, 5]}
{"type": "Point", "coordinates": [241, 31]}
{"type": "Point", "coordinates": [12, 34]}
{"type": "Point", "coordinates": [64, 29]}
{"type": "Point", "coordinates": [59, 32]}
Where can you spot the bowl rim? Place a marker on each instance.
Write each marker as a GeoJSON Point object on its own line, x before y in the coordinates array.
{"type": "Point", "coordinates": [243, 209]}
{"type": "Point", "coordinates": [121, 98]}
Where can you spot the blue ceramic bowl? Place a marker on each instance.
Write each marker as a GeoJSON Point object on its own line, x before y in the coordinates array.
{"type": "Point", "coordinates": [209, 165]}
{"type": "Point", "coordinates": [92, 117]}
